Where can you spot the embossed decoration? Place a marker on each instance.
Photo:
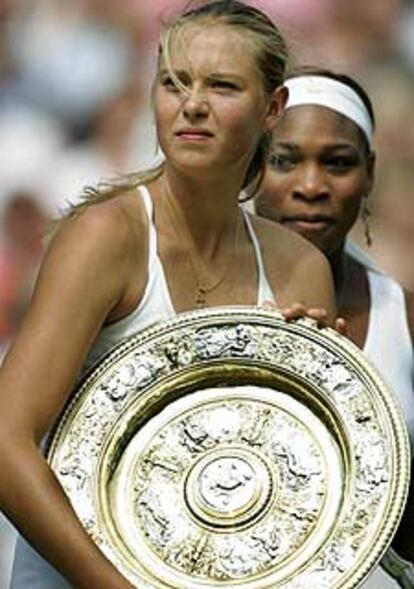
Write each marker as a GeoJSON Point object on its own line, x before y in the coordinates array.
{"type": "Point", "coordinates": [227, 447]}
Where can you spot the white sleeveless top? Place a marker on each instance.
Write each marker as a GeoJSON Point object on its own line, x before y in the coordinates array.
{"type": "Point", "coordinates": [388, 345]}
{"type": "Point", "coordinates": [156, 303]}
{"type": "Point", "coordinates": [30, 570]}
{"type": "Point", "coordinates": [387, 316]}
{"type": "Point", "coordinates": [388, 342]}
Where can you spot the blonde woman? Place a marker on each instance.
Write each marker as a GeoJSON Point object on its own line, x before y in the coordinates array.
{"type": "Point", "coordinates": [156, 244]}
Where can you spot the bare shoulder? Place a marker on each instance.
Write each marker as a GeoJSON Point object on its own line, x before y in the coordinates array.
{"type": "Point", "coordinates": [297, 270]}
{"type": "Point", "coordinates": [83, 279]}
{"type": "Point", "coordinates": [105, 237]}
{"type": "Point", "coordinates": [105, 225]}
{"type": "Point", "coordinates": [285, 242]}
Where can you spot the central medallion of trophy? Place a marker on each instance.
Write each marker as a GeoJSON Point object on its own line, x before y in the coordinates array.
{"type": "Point", "coordinates": [228, 487]}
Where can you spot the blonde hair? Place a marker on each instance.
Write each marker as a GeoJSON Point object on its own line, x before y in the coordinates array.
{"type": "Point", "coordinates": [271, 59]}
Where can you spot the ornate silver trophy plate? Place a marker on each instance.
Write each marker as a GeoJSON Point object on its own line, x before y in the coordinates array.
{"type": "Point", "coordinates": [229, 448]}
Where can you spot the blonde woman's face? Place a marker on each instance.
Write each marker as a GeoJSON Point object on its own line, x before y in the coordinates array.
{"type": "Point", "coordinates": [216, 121]}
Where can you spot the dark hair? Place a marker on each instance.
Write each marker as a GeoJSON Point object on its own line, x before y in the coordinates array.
{"type": "Point", "coordinates": [340, 77]}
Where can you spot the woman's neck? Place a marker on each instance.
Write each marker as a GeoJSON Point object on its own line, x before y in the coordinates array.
{"type": "Point", "coordinates": [338, 262]}
{"type": "Point", "coordinates": [350, 281]}
{"type": "Point", "coordinates": [207, 210]}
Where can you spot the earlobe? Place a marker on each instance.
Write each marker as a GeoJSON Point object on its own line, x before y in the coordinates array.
{"type": "Point", "coordinates": [277, 104]}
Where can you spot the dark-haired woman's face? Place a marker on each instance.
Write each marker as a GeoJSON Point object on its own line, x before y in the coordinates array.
{"type": "Point", "coordinates": [317, 176]}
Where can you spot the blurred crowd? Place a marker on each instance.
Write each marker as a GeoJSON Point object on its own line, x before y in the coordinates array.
{"type": "Point", "coordinates": [75, 107]}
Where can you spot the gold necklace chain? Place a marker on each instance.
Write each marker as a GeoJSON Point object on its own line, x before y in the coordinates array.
{"type": "Point", "coordinates": [202, 289]}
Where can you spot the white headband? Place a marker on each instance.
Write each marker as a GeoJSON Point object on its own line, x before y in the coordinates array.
{"type": "Point", "coordinates": [333, 94]}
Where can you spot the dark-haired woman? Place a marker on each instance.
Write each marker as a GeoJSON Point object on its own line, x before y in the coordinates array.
{"type": "Point", "coordinates": [320, 175]}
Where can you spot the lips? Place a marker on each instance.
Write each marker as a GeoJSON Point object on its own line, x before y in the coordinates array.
{"type": "Point", "coordinates": [308, 223]}
{"type": "Point", "coordinates": [194, 133]}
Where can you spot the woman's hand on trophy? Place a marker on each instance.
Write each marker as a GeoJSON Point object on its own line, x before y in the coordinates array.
{"type": "Point", "coordinates": [318, 314]}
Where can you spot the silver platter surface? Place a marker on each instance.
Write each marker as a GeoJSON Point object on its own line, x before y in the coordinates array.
{"type": "Point", "coordinates": [230, 448]}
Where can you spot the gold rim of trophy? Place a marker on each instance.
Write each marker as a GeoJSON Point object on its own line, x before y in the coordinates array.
{"type": "Point", "coordinates": [228, 447]}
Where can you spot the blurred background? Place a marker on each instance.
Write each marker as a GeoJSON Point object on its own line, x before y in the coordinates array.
{"type": "Point", "coordinates": [75, 82]}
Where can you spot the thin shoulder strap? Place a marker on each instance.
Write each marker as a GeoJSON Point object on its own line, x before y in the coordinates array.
{"type": "Point", "coordinates": [157, 299]}
{"type": "Point", "coordinates": [265, 293]}
{"type": "Point", "coordinates": [152, 232]}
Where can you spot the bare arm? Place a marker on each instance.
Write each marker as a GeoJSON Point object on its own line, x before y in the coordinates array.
{"type": "Point", "coordinates": [83, 278]}
{"type": "Point", "coordinates": [315, 291]}
{"type": "Point", "coordinates": [299, 273]}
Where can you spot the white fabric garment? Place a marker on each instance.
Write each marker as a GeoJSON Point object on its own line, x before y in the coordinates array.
{"type": "Point", "coordinates": [379, 579]}
{"type": "Point", "coordinates": [388, 345]}
{"type": "Point", "coordinates": [7, 546]}
{"type": "Point", "coordinates": [360, 255]}
{"type": "Point", "coordinates": [30, 570]}
{"type": "Point", "coordinates": [156, 303]}
{"type": "Point", "coordinates": [388, 342]}
{"type": "Point", "coordinates": [387, 317]}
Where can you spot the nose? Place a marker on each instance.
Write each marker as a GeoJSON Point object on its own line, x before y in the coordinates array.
{"type": "Point", "coordinates": [311, 183]}
{"type": "Point", "coordinates": [195, 105]}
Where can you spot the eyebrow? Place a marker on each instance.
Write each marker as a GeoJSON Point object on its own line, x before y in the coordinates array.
{"type": "Point", "coordinates": [226, 76]}
{"type": "Point", "coordinates": [340, 146]}
{"type": "Point", "coordinates": [212, 75]}
{"type": "Point", "coordinates": [286, 145]}
{"type": "Point", "coordinates": [329, 147]}
{"type": "Point", "coordinates": [166, 72]}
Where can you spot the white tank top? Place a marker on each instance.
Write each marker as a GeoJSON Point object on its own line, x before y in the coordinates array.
{"type": "Point", "coordinates": [388, 343]}
{"type": "Point", "coordinates": [156, 303]}
{"type": "Point", "coordinates": [387, 316]}
{"type": "Point", "coordinates": [30, 570]}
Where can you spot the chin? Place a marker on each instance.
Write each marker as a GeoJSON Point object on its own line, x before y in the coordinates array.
{"type": "Point", "coordinates": [315, 238]}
